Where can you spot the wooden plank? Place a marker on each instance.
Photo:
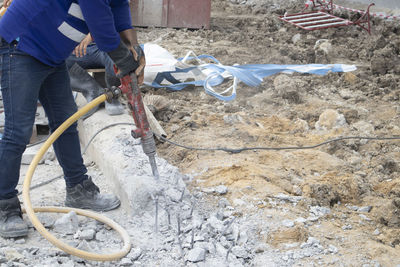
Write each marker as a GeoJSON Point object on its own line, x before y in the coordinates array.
{"type": "Point", "coordinates": [96, 70]}
{"type": "Point", "coordinates": [154, 124]}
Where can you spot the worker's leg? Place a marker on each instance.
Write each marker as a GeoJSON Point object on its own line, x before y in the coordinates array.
{"type": "Point", "coordinates": [93, 59]}
{"type": "Point", "coordinates": [96, 57]}
{"type": "Point", "coordinates": [82, 82]}
{"type": "Point", "coordinates": [20, 88]}
{"type": "Point", "coordinates": [56, 97]}
{"type": "Point", "coordinates": [21, 78]}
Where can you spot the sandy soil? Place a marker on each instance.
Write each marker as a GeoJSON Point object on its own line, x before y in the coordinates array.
{"type": "Point", "coordinates": [286, 111]}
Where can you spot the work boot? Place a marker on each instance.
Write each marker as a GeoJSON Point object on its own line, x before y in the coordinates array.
{"type": "Point", "coordinates": [82, 82]}
{"type": "Point", "coordinates": [11, 222]}
{"type": "Point", "coordinates": [86, 195]}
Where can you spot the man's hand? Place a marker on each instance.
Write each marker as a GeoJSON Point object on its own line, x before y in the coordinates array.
{"type": "Point", "coordinates": [129, 38]}
{"type": "Point", "coordinates": [138, 55]}
{"type": "Point", "coordinates": [80, 50]}
{"type": "Point", "coordinates": [124, 60]}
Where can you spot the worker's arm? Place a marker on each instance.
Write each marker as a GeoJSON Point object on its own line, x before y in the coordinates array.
{"type": "Point", "coordinates": [129, 37]}
{"type": "Point", "coordinates": [115, 18]}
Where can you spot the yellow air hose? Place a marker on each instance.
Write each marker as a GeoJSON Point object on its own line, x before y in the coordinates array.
{"type": "Point", "coordinates": [31, 211]}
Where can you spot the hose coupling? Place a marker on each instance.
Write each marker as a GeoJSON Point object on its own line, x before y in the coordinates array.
{"type": "Point", "coordinates": [112, 93]}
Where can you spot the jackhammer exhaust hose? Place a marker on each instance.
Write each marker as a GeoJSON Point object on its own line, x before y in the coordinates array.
{"type": "Point", "coordinates": [31, 211]}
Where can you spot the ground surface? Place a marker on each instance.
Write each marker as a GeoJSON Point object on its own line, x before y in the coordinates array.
{"type": "Point", "coordinates": [335, 205]}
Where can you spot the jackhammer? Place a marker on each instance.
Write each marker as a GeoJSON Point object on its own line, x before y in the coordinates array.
{"type": "Point", "coordinates": [129, 87]}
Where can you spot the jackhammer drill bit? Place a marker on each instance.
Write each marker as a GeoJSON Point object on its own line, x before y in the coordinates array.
{"type": "Point", "coordinates": [129, 86]}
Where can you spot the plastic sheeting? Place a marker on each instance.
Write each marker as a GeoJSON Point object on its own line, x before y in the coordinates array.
{"type": "Point", "coordinates": [164, 71]}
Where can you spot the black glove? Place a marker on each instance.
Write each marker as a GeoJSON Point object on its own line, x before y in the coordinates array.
{"type": "Point", "coordinates": [124, 60]}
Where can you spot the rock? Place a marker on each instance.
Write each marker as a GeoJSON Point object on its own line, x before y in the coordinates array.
{"type": "Point", "coordinates": [364, 217]}
{"type": "Point", "coordinates": [311, 242]}
{"type": "Point", "coordinates": [220, 215]}
{"type": "Point", "coordinates": [169, 239]}
{"type": "Point", "coordinates": [350, 78]}
{"type": "Point", "coordinates": [355, 208]}
{"type": "Point", "coordinates": [239, 202]}
{"type": "Point", "coordinates": [233, 118]}
{"type": "Point", "coordinates": [87, 234]}
{"type": "Point", "coordinates": [223, 202]}
{"type": "Point", "coordinates": [84, 245]}
{"type": "Point", "coordinates": [323, 50]}
{"type": "Point", "coordinates": [296, 38]}
{"type": "Point", "coordinates": [221, 189]}
{"type": "Point", "coordinates": [300, 220]}
{"type": "Point", "coordinates": [288, 223]}
{"type": "Point", "coordinates": [240, 252]}
{"type": "Point", "coordinates": [284, 83]}
{"type": "Point", "coordinates": [293, 199]}
{"type": "Point", "coordinates": [216, 224]}
{"type": "Point", "coordinates": [12, 255]}
{"type": "Point", "coordinates": [101, 236]}
{"type": "Point", "coordinates": [20, 241]}
{"type": "Point", "coordinates": [68, 264]}
{"type": "Point", "coordinates": [260, 248]}
{"type": "Point", "coordinates": [221, 250]}
{"type": "Point", "coordinates": [208, 190]}
{"type": "Point", "coordinates": [125, 262]}
{"type": "Point", "coordinates": [364, 127]}
{"type": "Point", "coordinates": [301, 126]}
{"type": "Point", "coordinates": [346, 93]}
{"type": "Point", "coordinates": [324, 45]}
{"type": "Point", "coordinates": [243, 237]}
{"type": "Point", "coordinates": [50, 262]}
{"type": "Point", "coordinates": [319, 211]}
{"type": "Point", "coordinates": [174, 194]}
{"type": "Point", "coordinates": [376, 232]}
{"type": "Point", "coordinates": [46, 219]}
{"type": "Point", "coordinates": [347, 227]}
{"type": "Point", "coordinates": [332, 249]}
{"type": "Point", "coordinates": [196, 255]}
{"type": "Point", "coordinates": [330, 119]}
{"type": "Point", "coordinates": [365, 209]}
{"type": "Point", "coordinates": [67, 224]}
{"type": "Point", "coordinates": [203, 245]}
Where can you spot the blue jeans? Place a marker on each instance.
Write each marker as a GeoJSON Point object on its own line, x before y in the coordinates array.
{"type": "Point", "coordinates": [95, 58]}
{"type": "Point", "coordinates": [24, 80]}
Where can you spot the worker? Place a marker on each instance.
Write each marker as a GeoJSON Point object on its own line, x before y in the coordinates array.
{"type": "Point", "coordinates": [36, 38]}
{"type": "Point", "coordinates": [87, 55]}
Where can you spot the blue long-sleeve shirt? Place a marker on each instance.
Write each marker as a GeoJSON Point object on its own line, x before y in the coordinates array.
{"type": "Point", "coordinates": [49, 30]}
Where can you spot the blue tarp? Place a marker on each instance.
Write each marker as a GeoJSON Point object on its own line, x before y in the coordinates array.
{"type": "Point", "coordinates": [251, 75]}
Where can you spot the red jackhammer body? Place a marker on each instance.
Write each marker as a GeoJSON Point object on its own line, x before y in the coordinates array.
{"type": "Point", "coordinates": [129, 87]}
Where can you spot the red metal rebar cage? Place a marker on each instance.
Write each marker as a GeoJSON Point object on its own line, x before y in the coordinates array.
{"type": "Point", "coordinates": [324, 18]}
